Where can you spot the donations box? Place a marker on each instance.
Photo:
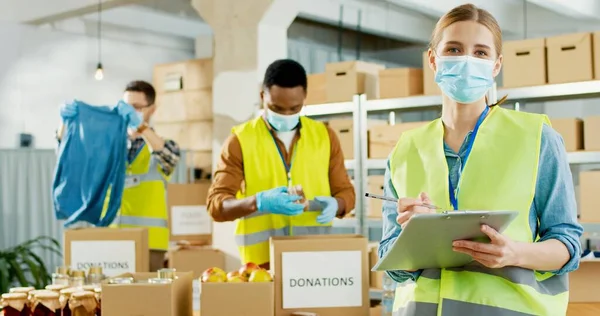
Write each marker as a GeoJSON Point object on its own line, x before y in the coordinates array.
{"type": "Point", "coordinates": [323, 274]}
{"type": "Point", "coordinates": [116, 250]}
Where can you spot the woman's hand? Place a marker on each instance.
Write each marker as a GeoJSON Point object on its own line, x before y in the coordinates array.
{"type": "Point", "coordinates": [501, 252]}
{"type": "Point", "coordinates": [407, 207]}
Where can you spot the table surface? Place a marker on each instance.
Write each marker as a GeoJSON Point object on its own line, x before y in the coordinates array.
{"type": "Point", "coordinates": [583, 309]}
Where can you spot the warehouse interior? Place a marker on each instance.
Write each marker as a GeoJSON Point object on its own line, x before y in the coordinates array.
{"type": "Point", "coordinates": [206, 60]}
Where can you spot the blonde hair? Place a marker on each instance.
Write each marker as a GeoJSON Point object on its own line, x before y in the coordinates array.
{"type": "Point", "coordinates": [467, 12]}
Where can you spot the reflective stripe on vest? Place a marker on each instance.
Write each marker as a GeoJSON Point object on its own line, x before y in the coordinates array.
{"type": "Point", "coordinates": [144, 200]}
{"type": "Point", "coordinates": [264, 170]}
{"type": "Point", "coordinates": [493, 179]}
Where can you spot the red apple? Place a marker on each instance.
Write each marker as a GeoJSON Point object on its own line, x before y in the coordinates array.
{"type": "Point", "coordinates": [235, 275]}
{"type": "Point", "coordinates": [260, 275]}
{"type": "Point", "coordinates": [247, 269]}
{"type": "Point", "coordinates": [214, 275]}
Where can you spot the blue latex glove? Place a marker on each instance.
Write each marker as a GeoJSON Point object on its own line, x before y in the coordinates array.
{"type": "Point", "coordinates": [278, 201]}
{"type": "Point", "coordinates": [129, 114]}
{"type": "Point", "coordinates": [68, 110]}
{"type": "Point", "coordinates": [330, 208]}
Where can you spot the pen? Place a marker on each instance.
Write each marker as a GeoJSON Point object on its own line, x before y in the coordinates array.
{"type": "Point", "coordinates": [385, 198]}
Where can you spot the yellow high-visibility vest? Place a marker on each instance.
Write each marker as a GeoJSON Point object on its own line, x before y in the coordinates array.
{"type": "Point", "coordinates": [144, 201]}
{"type": "Point", "coordinates": [264, 170]}
{"type": "Point", "coordinates": [500, 174]}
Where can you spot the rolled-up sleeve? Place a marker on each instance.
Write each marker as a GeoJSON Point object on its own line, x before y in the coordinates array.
{"type": "Point", "coordinates": [391, 229]}
{"type": "Point", "coordinates": [555, 204]}
{"type": "Point", "coordinates": [168, 157]}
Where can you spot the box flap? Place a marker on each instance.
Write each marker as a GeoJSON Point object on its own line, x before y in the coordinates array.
{"type": "Point", "coordinates": [523, 45]}
{"type": "Point", "coordinates": [569, 39]}
{"type": "Point", "coordinates": [399, 72]}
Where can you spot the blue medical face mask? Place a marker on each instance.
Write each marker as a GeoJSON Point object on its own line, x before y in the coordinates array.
{"type": "Point", "coordinates": [282, 123]}
{"type": "Point", "coordinates": [465, 79]}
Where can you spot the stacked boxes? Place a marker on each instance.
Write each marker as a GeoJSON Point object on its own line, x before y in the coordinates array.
{"type": "Point", "coordinates": [552, 60]}
{"type": "Point", "coordinates": [184, 108]}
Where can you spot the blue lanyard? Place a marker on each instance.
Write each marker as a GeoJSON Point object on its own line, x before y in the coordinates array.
{"type": "Point", "coordinates": [288, 168]}
{"type": "Point", "coordinates": [470, 142]}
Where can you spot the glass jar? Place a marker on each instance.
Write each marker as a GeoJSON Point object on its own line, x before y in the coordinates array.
{"type": "Point", "coordinates": [95, 275]}
{"type": "Point", "coordinates": [159, 281]}
{"type": "Point", "coordinates": [65, 295]}
{"type": "Point", "coordinates": [121, 281]}
{"type": "Point", "coordinates": [98, 292]}
{"type": "Point", "coordinates": [56, 287]}
{"type": "Point", "coordinates": [77, 278]}
{"type": "Point", "coordinates": [61, 276]}
{"type": "Point", "coordinates": [83, 304]}
{"type": "Point", "coordinates": [167, 274]}
{"type": "Point", "coordinates": [25, 290]}
{"type": "Point", "coordinates": [31, 297]}
{"type": "Point", "coordinates": [46, 303]}
{"type": "Point", "coordinates": [15, 304]}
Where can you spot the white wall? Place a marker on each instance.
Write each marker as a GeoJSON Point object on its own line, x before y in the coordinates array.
{"type": "Point", "coordinates": [41, 68]}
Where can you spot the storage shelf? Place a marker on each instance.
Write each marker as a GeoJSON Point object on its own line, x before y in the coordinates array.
{"type": "Point", "coordinates": [550, 92]}
{"type": "Point", "coordinates": [329, 109]}
{"type": "Point", "coordinates": [353, 222]}
{"type": "Point", "coordinates": [576, 158]}
{"type": "Point", "coordinates": [376, 294]}
{"type": "Point", "coordinates": [350, 163]}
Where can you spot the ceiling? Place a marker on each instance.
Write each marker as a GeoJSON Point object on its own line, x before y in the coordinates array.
{"type": "Point", "coordinates": [406, 20]}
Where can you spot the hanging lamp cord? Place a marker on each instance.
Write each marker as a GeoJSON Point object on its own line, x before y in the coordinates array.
{"type": "Point", "coordinates": [99, 31]}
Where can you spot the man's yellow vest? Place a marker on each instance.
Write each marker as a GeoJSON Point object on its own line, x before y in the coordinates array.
{"type": "Point", "coordinates": [264, 170]}
{"type": "Point", "coordinates": [144, 201]}
{"type": "Point", "coordinates": [500, 174]}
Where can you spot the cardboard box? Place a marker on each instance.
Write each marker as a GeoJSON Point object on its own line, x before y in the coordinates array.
{"type": "Point", "coordinates": [188, 218]}
{"type": "Point", "coordinates": [524, 63]}
{"type": "Point", "coordinates": [429, 85]}
{"type": "Point", "coordinates": [173, 299]}
{"type": "Point", "coordinates": [200, 160]}
{"type": "Point", "coordinates": [376, 277]}
{"type": "Point", "coordinates": [344, 129]}
{"type": "Point", "coordinates": [596, 48]}
{"type": "Point", "coordinates": [196, 260]}
{"type": "Point", "coordinates": [304, 284]}
{"type": "Point", "coordinates": [316, 89]}
{"type": "Point", "coordinates": [583, 285]}
{"type": "Point", "coordinates": [248, 299]}
{"type": "Point", "coordinates": [116, 250]}
{"type": "Point", "coordinates": [591, 133]}
{"type": "Point", "coordinates": [400, 82]}
{"type": "Point", "coordinates": [570, 58]}
{"type": "Point", "coordinates": [383, 138]}
{"type": "Point", "coordinates": [348, 78]}
{"type": "Point", "coordinates": [187, 75]}
{"type": "Point", "coordinates": [571, 130]}
{"type": "Point", "coordinates": [375, 311]}
{"type": "Point", "coordinates": [195, 135]}
{"type": "Point", "coordinates": [183, 106]}
{"type": "Point", "coordinates": [375, 186]}
{"type": "Point", "coordinates": [589, 199]}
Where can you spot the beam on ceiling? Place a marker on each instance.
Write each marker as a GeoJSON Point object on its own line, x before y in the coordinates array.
{"type": "Point", "coordinates": [509, 14]}
{"type": "Point", "coordinates": [65, 9]}
{"type": "Point", "coordinates": [579, 9]}
{"type": "Point", "coordinates": [140, 17]}
{"type": "Point", "coordinates": [377, 17]}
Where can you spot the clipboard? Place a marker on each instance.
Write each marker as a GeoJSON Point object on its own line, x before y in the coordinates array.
{"type": "Point", "coordinates": [426, 241]}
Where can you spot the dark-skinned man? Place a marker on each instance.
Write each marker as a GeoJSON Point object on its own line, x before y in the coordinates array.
{"type": "Point", "coordinates": [265, 156]}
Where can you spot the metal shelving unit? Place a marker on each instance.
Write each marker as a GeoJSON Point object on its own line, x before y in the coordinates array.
{"type": "Point", "coordinates": [360, 107]}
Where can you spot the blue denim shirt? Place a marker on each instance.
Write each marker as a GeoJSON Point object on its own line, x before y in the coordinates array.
{"type": "Point", "coordinates": [553, 213]}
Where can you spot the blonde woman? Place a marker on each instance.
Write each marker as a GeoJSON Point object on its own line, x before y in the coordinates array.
{"type": "Point", "coordinates": [483, 157]}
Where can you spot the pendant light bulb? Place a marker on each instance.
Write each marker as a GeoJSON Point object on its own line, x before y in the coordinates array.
{"type": "Point", "coordinates": [99, 72]}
